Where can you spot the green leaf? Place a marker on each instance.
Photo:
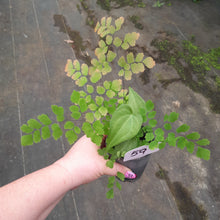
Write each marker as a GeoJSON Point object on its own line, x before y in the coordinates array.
{"type": "Point", "coordinates": [131, 38]}
{"type": "Point", "coordinates": [111, 179]}
{"type": "Point", "coordinates": [124, 125]}
{"type": "Point", "coordinates": [76, 75]}
{"type": "Point", "coordinates": [111, 56]}
{"type": "Point", "coordinates": [193, 136]}
{"type": "Point", "coordinates": [74, 108]}
{"type": "Point", "coordinates": [183, 128]}
{"type": "Point", "coordinates": [71, 136]}
{"type": "Point", "coordinates": [162, 145]}
{"type": "Point", "coordinates": [59, 112]}
{"type": "Point", "coordinates": [149, 105]}
{"type": "Point", "coordinates": [108, 39]}
{"type": "Point", "coordinates": [27, 140]}
{"type": "Point", "coordinates": [95, 77]}
{"type": "Point", "coordinates": [97, 26]}
{"type": "Point", "coordinates": [128, 75]}
{"type": "Point", "coordinates": [110, 164]}
{"type": "Point", "coordinates": [171, 139]}
{"type": "Point", "coordinates": [75, 97]}
{"type": "Point", "coordinates": [149, 137]}
{"type": "Point", "coordinates": [110, 93]}
{"type": "Point", "coordinates": [97, 115]}
{"type": "Point", "coordinates": [117, 42]}
{"type": "Point", "coordinates": [135, 101]}
{"type": "Point", "coordinates": [107, 85]}
{"type": "Point", "coordinates": [88, 99]}
{"type": "Point", "coordinates": [32, 123]}
{"type": "Point", "coordinates": [121, 176]}
{"type": "Point", "coordinates": [139, 57]}
{"type": "Point", "coordinates": [69, 125]}
{"type": "Point", "coordinates": [45, 132]}
{"type": "Point", "coordinates": [81, 81]}
{"type": "Point", "coordinates": [93, 107]}
{"type": "Point", "coordinates": [83, 105]}
{"type": "Point", "coordinates": [100, 90]}
{"type": "Point", "coordinates": [153, 145]}
{"type": "Point", "coordinates": [110, 194]}
{"type": "Point", "coordinates": [181, 142]}
{"type": "Point", "coordinates": [44, 119]}
{"type": "Point", "coordinates": [82, 94]}
{"type": "Point", "coordinates": [130, 57]}
{"type": "Point", "coordinates": [167, 126]}
{"type": "Point", "coordinates": [98, 127]}
{"type": "Point", "coordinates": [90, 89]}
{"type": "Point", "coordinates": [116, 85]}
{"type": "Point", "coordinates": [77, 130]}
{"type": "Point", "coordinates": [203, 153]}
{"type": "Point", "coordinates": [76, 115]}
{"type": "Point", "coordinates": [26, 129]}
{"type": "Point", "coordinates": [108, 21]}
{"type": "Point", "coordinates": [57, 132]}
{"type": "Point", "coordinates": [121, 61]}
{"type": "Point", "coordinates": [190, 146]}
{"type": "Point", "coordinates": [125, 46]}
{"type": "Point", "coordinates": [99, 100]}
{"type": "Point", "coordinates": [37, 136]}
{"type": "Point", "coordinates": [85, 69]}
{"type": "Point", "coordinates": [151, 114]}
{"type": "Point", "coordinates": [89, 117]}
{"type": "Point", "coordinates": [118, 185]}
{"type": "Point", "coordinates": [106, 68]}
{"type": "Point", "coordinates": [173, 117]}
{"type": "Point", "coordinates": [102, 43]}
{"type": "Point", "coordinates": [76, 65]}
{"type": "Point", "coordinates": [152, 123]}
{"type": "Point", "coordinates": [166, 118]}
{"type": "Point", "coordinates": [203, 142]}
{"type": "Point", "coordinates": [118, 23]}
{"type": "Point", "coordinates": [103, 110]}
{"type": "Point", "coordinates": [149, 62]}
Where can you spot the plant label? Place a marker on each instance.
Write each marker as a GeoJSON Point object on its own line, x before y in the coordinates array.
{"type": "Point", "coordinates": [138, 153]}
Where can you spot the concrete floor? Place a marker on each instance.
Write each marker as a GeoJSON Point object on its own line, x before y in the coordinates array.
{"type": "Point", "coordinates": [33, 54]}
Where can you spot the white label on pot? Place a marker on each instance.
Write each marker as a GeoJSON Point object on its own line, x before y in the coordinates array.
{"type": "Point", "coordinates": [138, 153]}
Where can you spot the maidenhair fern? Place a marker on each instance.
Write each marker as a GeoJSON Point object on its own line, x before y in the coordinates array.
{"type": "Point", "coordinates": [108, 109]}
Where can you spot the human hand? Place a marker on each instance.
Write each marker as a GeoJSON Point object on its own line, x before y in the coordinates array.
{"type": "Point", "coordinates": [84, 164]}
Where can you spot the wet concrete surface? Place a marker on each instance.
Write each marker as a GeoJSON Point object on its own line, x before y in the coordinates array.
{"type": "Point", "coordinates": [33, 54]}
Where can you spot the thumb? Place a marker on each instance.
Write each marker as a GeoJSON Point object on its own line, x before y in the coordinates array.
{"type": "Point", "coordinates": [122, 169]}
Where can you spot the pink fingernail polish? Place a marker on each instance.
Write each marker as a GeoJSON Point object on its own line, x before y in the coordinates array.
{"type": "Point", "coordinates": [130, 175]}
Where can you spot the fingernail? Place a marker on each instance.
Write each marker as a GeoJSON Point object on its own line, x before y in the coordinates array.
{"type": "Point", "coordinates": [130, 175]}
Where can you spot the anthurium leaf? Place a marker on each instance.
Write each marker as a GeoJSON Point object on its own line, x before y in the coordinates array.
{"type": "Point", "coordinates": [128, 74]}
{"type": "Point", "coordinates": [110, 194]}
{"type": "Point", "coordinates": [124, 125]}
{"type": "Point", "coordinates": [109, 39]}
{"type": "Point", "coordinates": [26, 129]}
{"type": "Point", "coordinates": [121, 61]}
{"type": "Point", "coordinates": [36, 136]}
{"type": "Point", "coordinates": [173, 117]}
{"type": "Point", "coordinates": [111, 56]}
{"type": "Point", "coordinates": [69, 125]}
{"type": "Point", "coordinates": [139, 57]}
{"type": "Point", "coordinates": [116, 85]}
{"type": "Point", "coordinates": [135, 101]}
{"type": "Point", "coordinates": [32, 123]}
{"type": "Point", "coordinates": [75, 97]}
{"type": "Point", "coordinates": [183, 128]}
{"type": "Point", "coordinates": [121, 176]}
{"type": "Point", "coordinates": [44, 119]}
{"type": "Point", "coordinates": [203, 153]}
{"type": "Point", "coordinates": [71, 136]}
{"type": "Point", "coordinates": [59, 112]}
{"type": "Point", "coordinates": [45, 132]}
{"type": "Point", "coordinates": [118, 23]}
{"type": "Point", "coordinates": [57, 132]}
{"type": "Point", "coordinates": [27, 140]}
{"type": "Point", "coordinates": [203, 142]}
{"type": "Point", "coordinates": [130, 57]}
{"type": "Point", "coordinates": [149, 62]}
{"type": "Point", "coordinates": [85, 69]}
{"type": "Point", "coordinates": [193, 136]}
{"type": "Point", "coordinates": [117, 41]}
{"type": "Point", "coordinates": [90, 89]}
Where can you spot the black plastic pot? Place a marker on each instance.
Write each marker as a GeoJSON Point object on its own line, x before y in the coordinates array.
{"type": "Point", "coordinates": [137, 166]}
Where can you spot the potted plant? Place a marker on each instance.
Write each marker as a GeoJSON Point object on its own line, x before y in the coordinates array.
{"type": "Point", "coordinates": [121, 116]}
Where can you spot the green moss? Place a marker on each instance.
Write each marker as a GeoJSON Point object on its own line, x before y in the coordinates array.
{"type": "Point", "coordinates": [106, 4]}
{"type": "Point", "coordinates": [193, 66]}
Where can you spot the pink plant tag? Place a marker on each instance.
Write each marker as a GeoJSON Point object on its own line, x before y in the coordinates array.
{"type": "Point", "coordinates": [138, 153]}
